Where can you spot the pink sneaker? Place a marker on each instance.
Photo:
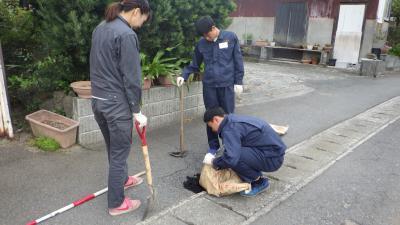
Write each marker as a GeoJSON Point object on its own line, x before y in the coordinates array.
{"type": "Point", "coordinates": [127, 205]}
{"type": "Point", "coordinates": [133, 181]}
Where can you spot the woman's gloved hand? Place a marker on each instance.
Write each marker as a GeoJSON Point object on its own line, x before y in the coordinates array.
{"type": "Point", "coordinates": [141, 119]}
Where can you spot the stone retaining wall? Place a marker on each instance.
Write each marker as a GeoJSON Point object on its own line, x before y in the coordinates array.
{"type": "Point", "coordinates": [160, 105]}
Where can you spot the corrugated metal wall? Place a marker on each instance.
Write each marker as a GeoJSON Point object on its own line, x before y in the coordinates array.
{"type": "Point", "coordinates": [291, 24]}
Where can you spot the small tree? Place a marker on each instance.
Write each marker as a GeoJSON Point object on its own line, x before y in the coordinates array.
{"type": "Point", "coordinates": [396, 11]}
{"type": "Point", "coordinates": [18, 35]}
{"type": "Point", "coordinates": [66, 29]}
{"type": "Point", "coordinates": [173, 24]}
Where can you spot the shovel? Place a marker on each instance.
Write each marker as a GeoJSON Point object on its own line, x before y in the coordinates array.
{"type": "Point", "coordinates": [182, 151]}
{"type": "Point", "coordinates": [151, 198]}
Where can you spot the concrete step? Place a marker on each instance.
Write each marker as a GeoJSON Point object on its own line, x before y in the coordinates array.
{"type": "Point", "coordinates": [303, 163]}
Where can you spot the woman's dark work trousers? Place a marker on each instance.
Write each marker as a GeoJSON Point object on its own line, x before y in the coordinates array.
{"type": "Point", "coordinates": [115, 122]}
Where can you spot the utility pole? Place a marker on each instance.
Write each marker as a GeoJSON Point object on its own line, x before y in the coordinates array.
{"type": "Point", "coordinates": [6, 128]}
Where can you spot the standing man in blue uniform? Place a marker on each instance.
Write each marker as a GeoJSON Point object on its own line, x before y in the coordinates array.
{"type": "Point", "coordinates": [250, 147]}
{"type": "Point", "coordinates": [115, 75]}
{"type": "Point", "coordinates": [223, 74]}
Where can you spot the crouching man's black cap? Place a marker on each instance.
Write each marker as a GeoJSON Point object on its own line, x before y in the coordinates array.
{"type": "Point", "coordinates": [210, 113]}
{"type": "Point", "coordinates": [204, 25]}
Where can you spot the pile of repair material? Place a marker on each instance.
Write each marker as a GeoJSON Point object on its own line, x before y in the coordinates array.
{"type": "Point", "coordinates": [192, 184]}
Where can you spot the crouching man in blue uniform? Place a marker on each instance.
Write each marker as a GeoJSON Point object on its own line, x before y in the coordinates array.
{"type": "Point", "coordinates": [251, 147]}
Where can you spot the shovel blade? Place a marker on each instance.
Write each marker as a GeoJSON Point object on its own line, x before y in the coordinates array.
{"type": "Point", "coordinates": [178, 154]}
{"type": "Point", "coordinates": [150, 204]}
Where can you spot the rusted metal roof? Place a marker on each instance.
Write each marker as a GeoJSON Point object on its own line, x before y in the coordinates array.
{"type": "Point", "coordinates": [316, 8]}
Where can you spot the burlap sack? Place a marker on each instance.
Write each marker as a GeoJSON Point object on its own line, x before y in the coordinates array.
{"type": "Point", "coordinates": [221, 182]}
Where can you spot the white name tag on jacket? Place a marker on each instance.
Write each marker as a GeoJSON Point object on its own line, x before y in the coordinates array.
{"type": "Point", "coordinates": [223, 45]}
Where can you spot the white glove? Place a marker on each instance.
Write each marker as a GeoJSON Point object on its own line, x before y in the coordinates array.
{"type": "Point", "coordinates": [238, 89]}
{"type": "Point", "coordinates": [180, 81]}
{"type": "Point", "coordinates": [141, 119]}
{"type": "Point", "coordinates": [208, 158]}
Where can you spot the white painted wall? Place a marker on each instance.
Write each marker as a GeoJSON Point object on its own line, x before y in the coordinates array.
{"type": "Point", "coordinates": [320, 31]}
{"type": "Point", "coordinates": [259, 27]}
{"type": "Point", "coordinates": [368, 38]}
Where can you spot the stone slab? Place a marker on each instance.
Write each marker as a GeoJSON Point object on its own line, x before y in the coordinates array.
{"type": "Point", "coordinates": [289, 174]}
{"type": "Point", "coordinates": [302, 163]}
{"type": "Point", "coordinates": [86, 139]}
{"type": "Point", "coordinates": [167, 220]}
{"type": "Point", "coordinates": [332, 146]}
{"type": "Point", "coordinates": [82, 107]}
{"type": "Point", "coordinates": [248, 206]}
{"type": "Point", "coordinates": [87, 124]}
{"type": "Point", "coordinates": [202, 211]}
{"type": "Point", "coordinates": [315, 154]}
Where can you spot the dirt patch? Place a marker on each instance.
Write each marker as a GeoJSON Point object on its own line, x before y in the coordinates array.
{"type": "Point", "coordinates": [55, 124]}
{"type": "Point", "coordinates": [192, 184]}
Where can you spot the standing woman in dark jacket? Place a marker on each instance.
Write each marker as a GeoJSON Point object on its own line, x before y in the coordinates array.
{"type": "Point", "coordinates": [115, 75]}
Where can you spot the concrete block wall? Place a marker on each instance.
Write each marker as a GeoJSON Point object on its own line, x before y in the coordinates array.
{"type": "Point", "coordinates": [160, 105]}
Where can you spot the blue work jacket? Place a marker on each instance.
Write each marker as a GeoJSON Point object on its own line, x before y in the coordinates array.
{"type": "Point", "coordinates": [222, 59]}
{"type": "Point", "coordinates": [237, 131]}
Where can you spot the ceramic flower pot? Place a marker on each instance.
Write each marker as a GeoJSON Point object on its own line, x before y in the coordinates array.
{"type": "Point", "coordinates": [146, 84]}
{"type": "Point", "coordinates": [82, 88]}
{"type": "Point", "coordinates": [165, 81]}
{"type": "Point", "coordinates": [49, 124]}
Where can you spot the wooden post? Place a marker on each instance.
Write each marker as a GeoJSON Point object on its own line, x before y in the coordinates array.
{"type": "Point", "coordinates": [5, 124]}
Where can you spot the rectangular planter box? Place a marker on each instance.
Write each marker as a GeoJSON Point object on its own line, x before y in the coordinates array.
{"type": "Point", "coordinates": [66, 137]}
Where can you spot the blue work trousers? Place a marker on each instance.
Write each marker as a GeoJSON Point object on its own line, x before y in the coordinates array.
{"type": "Point", "coordinates": [252, 163]}
{"type": "Point", "coordinates": [223, 97]}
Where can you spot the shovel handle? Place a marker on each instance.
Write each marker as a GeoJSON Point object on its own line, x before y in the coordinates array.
{"type": "Point", "coordinates": [141, 133]}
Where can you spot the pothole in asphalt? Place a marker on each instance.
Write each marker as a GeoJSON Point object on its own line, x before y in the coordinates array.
{"type": "Point", "coordinates": [192, 184]}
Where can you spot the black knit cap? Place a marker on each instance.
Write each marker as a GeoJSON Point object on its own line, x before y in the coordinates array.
{"type": "Point", "coordinates": [210, 113]}
{"type": "Point", "coordinates": [204, 25]}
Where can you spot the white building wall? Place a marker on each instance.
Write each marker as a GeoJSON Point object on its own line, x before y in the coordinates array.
{"type": "Point", "coordinates": [260, 27]}
{"type": "Point", "coordinates": [320, 31]}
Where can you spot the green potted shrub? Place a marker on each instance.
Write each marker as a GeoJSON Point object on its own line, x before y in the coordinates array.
{"type": "Point", "coordinates": [147, 75]}
{"type": "Point", "coordinates": [162, 68]}
{"type": "Point", "coordinates": [248, 38]}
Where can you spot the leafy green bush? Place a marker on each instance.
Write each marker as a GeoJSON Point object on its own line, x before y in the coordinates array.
{"type": "Point", "coordinates": [395, 50]}
{"type": "Point", "coordinates": [66, 28]}
{"type": "Point", "coordinates": [47, 48]}
{"type": "Point", "coordinates": [393, 36]}
{"type": "Point", "coordinates": [19, 37]}
{"type": "Point", "coordinates": [38, 83]}
{"type": "Point", "coordinates": [46, 144]}
{"type": "Point", "coordinates": [173, 24]}
{"type": "Point", "coordinates": [160, 65]}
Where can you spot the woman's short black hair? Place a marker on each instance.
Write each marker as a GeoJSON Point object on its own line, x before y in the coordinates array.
{"type": "Point", "coordinates": [210, 113]}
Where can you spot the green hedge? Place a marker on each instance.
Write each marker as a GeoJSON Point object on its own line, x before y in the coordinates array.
{"type": "Point", "coordinates": [48, 47]}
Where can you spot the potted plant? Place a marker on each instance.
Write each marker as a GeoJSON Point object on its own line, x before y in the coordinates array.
{"type": "Point", "coordinates": [327, 48]}
{"type": "Point", "coordinates": [49, 124]}
{"type": "Point", "coordinates": [248, 38]}
{"type": "Point", "coordinates": [262, 43]}
{"type": "Point", "coordinates": [147, 76]}
{"type": "Point", "coordinates": [82, 88]}
{"type": "Point", "coordinates": [164, 69]}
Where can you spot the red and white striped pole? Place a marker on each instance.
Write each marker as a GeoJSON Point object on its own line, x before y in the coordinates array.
{"type": "Point", "coordinates": [74, 204]}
